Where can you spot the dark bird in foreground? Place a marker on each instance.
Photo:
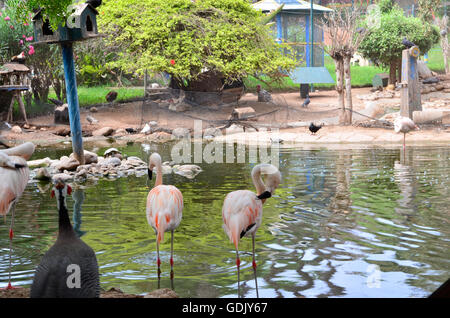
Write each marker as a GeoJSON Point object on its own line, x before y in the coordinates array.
{"type": "Point", "coordinates": [111, 96]}
{"type": "Point", "coordinates": [57, 102]}
{"type": "Point", "coordinates": [306, 102]}
{"type": "Point", "coordinates": [69, 269]}
{"type": "Point", "coordinates": [408, 44]}
{"type": "Point", "coordinates": [263, 95]}
{"type": "Point", "coordinates": [444, 32]}
{"type": "Point", "coordinates": [19, 58]}
{"type": "Point", "coordinates": [313, 128]}
{"type": "Point", "coordinates": [94, 3]}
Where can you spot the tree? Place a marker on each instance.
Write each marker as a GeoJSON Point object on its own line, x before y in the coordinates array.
{"type": "Point", "coordinates": [387, 26]}
{"type": "Point", "coordinates": [341, 25]}
{"type": "Point", "coordinates": [185, 38]}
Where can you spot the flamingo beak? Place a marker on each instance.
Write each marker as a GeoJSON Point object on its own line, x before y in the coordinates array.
{"type": "Point", "coordinates": [150, 173]}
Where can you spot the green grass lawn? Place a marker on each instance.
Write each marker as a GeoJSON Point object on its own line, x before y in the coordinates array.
{"type": "Point", "coordinates": [96, 95]}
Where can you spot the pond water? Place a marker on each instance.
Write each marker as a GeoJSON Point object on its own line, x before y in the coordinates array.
{"type": "Point", "coordinates": [343, 223]}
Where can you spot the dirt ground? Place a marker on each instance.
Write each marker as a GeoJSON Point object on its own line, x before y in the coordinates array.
{"type": "Point", "coordinates": [282, 114]}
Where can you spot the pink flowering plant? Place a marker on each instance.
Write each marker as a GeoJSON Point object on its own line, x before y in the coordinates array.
{"type": "Point", "coordinates": [16, 35]}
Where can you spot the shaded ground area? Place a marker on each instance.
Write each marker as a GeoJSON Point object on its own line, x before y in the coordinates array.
{"type": "Point", "coordinates": [285, 113]}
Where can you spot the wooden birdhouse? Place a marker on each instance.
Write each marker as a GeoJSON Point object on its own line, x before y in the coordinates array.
{"type": "Point", "coordinates": [80, 25]}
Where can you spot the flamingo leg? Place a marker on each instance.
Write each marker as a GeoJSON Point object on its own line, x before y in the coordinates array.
{"type": "Point", "coordinates": [158, 261]}
{"type": "Point", "coordinates": [238, 263]}
{"type": "Point", "coordinates": [171, 260]}
{"type": "Point", "coordinates": [254, 265]}
{"type": "Point", "coordinates": [11, 236]}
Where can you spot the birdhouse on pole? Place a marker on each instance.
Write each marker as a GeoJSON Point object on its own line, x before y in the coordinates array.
{"type": "Point", "coordinates": [80, 25]}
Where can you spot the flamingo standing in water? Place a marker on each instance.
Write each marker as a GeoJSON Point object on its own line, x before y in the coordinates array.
{"type": "Point", "coordinates": [14, 174]}
{"type": "Point", "coordinates": [164, 208]}
{"type": "Point", "coordinates": [404, 125]}
{"type": "Point", "coordinates": [242, 210]}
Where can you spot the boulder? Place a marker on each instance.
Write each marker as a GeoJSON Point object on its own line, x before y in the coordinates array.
{"type": "Point", "coordinates": [63, 176]}
{"type": "Point", "coordinates": [89, 157]}
{"type": "Point", "coordinates": [62, 115]}
{"type": "Point", "coordinates": [63, 131]}
{"type": "Point", "coordinates": [423, 70]}
{"type": "Point", "coordinates": [16, 130]}
{"type": "Point", "coordinates": [105, 131]}
{"type": "Point", "coordinates": [69, 164]}
{"type": "Point", "coordinates": [43, 174]}
{"type": "Point", "coordinates": [180, 132]}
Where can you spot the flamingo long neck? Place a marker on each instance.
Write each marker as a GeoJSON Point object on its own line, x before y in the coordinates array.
{"type": "Point", "coordinates": [257, 181]}
{"type": "Point", "coordinates": [65, 228]}
{"type": "Point", "coordinates": [158, 167]}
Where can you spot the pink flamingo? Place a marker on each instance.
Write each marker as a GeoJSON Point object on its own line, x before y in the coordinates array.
{"type": "Point", "coordinates": [404, 125]}
{"type": "Point", "coordinates": [14, 174]}
{"type": "Point", "coordinates": [242, 209]}
{"type": "Point", "coordinates": [164, 208]}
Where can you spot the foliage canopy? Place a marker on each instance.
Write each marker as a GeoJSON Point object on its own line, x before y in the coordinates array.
{"type": "Point", "coordinates": [184, 38]}
{"type": "Point", "coordinates": [386, 29]}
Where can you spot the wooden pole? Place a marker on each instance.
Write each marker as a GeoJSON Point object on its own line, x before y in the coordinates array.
{"type": "Point", "coordinates": [72, 101]}
{"type": "Point", "coordinates": [410, 91]}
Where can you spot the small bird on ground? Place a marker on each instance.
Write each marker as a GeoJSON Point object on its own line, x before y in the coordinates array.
{"type": "Point", "coordinates": [91, 119]}
{"type": "Point", "coordinates": [404, 125]}
{"type": "Point", "coordinates": [408, 44]}
{"type": "Point", "coordinates": [111, 96]}
{"type": "Point", "coordinates": [313, 128]}
{"type": "Point", "coordinates": [19, 58]}
{"type": "Point", "coordinates": [444, 32]}
{"type": "Point", "coordinates": [263, 95]}
{"type": "Point", "coordinates": [306, 101]}
{"type": "Point", "coordinates": [94, 3]}
{"type": "Point", "coordinates": [131, 130]}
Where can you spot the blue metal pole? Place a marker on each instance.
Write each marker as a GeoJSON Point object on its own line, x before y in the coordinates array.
{"type": "Point", "coordinates": [279, 28]}
{"type": "Point", "coordinates": [72, 100]}
{"type": "Point", "coordinates": [307, 46]}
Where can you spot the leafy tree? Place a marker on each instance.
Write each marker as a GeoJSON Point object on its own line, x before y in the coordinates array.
{"type": "Point", "coordinates": [386, 29]}
{"type": "Point", "coordinates": [184, 38]}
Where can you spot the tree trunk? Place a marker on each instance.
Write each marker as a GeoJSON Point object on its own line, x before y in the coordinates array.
{"type": "Point", "coordinates": [340, 87]}
{"type": "Point", "coordinates": [393, 72]}
{"type": "Point", "coordinates": [399, 69]}
{"type": "Point", "coordinates": [348, 90]}
{"type": "Point", "coordinates": [443, 25]}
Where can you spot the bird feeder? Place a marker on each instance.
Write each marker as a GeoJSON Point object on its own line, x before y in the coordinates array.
{"type": "Point", "coordinates": [80, 25]}
{"type": "Point", "coordinates": [410, 86]}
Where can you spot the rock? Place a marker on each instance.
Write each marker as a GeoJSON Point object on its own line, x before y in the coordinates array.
{"type": "Point", "coordinates": [160, 136]}
{"type": "Point", "coordinates": [62, 115]}
{"type": "Point", "coordinates": [93, 109]}
{"type": "Point", "coordinates": [63, 131]}
{"type": "Point", "coordinates": [162, 293]}
{"type": "Point", "coordinates": [105, 131]}
{"type": "Point", "coordinates": [154, 85]}
{"type": "Point", "coordinates": [120, 132]}
{"type": "Point", "coordinates": [243, 113]}
{"type": "Point", "coordinates": [16, 130]}
{"type": "Point", "coordinates": [180, 132]}
{"type": "Point", "coordinates": [181, 107]}
{"type": "Point", "coordinates": [212, 132]}
{"type": "Point", "coordinates": [113, 161]}
{"type": "Point", "coordinates": [423, 70]}
{"type": "Point", "coordinates": [69, 164]}
{"type": "Point", "coordinates": [63, 176]}
{"type": "Point", "coordinates": [82, 174]}
{"type": "Point", "coordinates": [187, 171]}
{"type": "Point", "coordinates": [89, 157]}
{"type": "Point", "coordinates": [153, 123]}
{"type": "Point", "coordinates": [43, 174]}
{"type": "Point", "coordinates": [40, 163]}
